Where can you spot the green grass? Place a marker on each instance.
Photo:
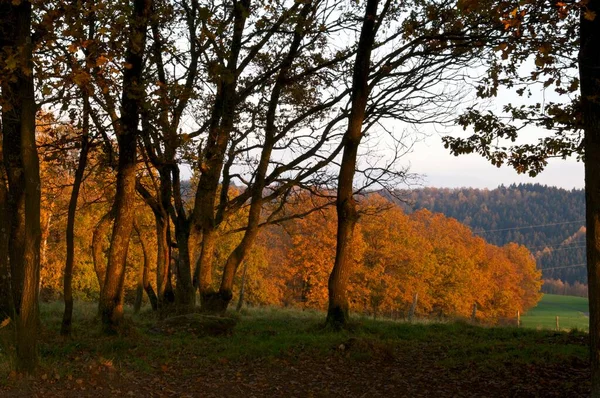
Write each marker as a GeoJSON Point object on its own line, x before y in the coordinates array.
{"type": "Point", "coordinates": [271, 334]}
{"type": "Point", "coordinates": [571, 311]}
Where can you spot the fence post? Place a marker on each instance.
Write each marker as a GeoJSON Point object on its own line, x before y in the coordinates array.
{"type": "Point", "coordinates": [557, 325]}
{"type": "Point", "coordinates": [518, 318]}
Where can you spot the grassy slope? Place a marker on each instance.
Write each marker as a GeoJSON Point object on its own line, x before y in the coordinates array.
{"type": "Point", "coordinates": [571, 311]}
{"type": "Point", "coordinates": [462, 358]}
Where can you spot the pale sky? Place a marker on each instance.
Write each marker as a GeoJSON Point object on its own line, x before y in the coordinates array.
{"type": "Point", "coordinates": [441, 169]}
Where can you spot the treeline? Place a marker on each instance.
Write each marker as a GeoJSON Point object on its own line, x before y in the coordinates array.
{"type": "Point", "coordinates": [556, 286]}
{"type": "Point", "coordinates": [423, 264]}
{"type": "Point", "coordinates": [549, 221]}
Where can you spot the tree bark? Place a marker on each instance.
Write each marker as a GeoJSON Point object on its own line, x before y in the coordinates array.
{"type": "Point", "coordinates": [143, 280]}
{"type": "Point", "coordinates": [68, 274]}
{"type": "Point", "coordinates": [111, 300]}
{"type": "Point", "coordinates": [22, 166]}
{"type": "Point", "coordinates": [163, 260]}
{"type": "Point", "coordinates": [185, 294]}
{"type": "Point", "coordinates": [337, 313]}
{"type": "Point", "coordinates": [6, 301]}
{"type": "Point", "coordinates": [589, 73]}
{"type": "Point", "coordinates": [240, 302]}
{"type": "Point", "coordinates": [98, 257]}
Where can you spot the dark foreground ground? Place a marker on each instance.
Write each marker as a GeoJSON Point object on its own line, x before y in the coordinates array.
{"type": "Point", "coordinates": [276, 353]}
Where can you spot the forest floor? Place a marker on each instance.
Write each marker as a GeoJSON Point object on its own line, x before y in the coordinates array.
{"type": "Point", "coordinates": [285, 353]}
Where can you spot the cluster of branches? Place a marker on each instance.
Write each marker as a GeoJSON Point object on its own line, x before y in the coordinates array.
{"type": "Point", "coordinates": [274, 96]}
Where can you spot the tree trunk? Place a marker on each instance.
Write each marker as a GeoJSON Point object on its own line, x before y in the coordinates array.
{"type": "Point", "coordinates": [221, 125]}
{"type": "Point", "coordinates": [111, 300]}
{"type": "Point", "coordinates": [219, 302]}
{"type": "Point", "coordinates": [240, 303]}
{"type": "Point", "coordinates": [98, 257]}
{"type": "Point", "coordinates": [337, 313]}
{"type": "Point", "coordinates": [204, 270]}
{"type": "Point", "coordinates": [68, 274]}
{"type": "Point", "coordinates": [22, 166]}
{"type": "Point", "coordinates": [413, 307]}
{"type": "Point", "coordinates": [185, 294]}
{"type": "Point", "coordinates": [143, 280]}
{"type": "Point", "coordinates": [163, 260]}
{"type": "Point", "coordinates": [6, 301]}
{"type": "Point", "coordinates": [589, 73]}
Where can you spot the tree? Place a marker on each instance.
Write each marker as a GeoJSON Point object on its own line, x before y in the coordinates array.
{"type": "Point", "coordinates": [111, 300]}
{"type": "Point", "coordinates": [426, 45]}
{"type": "Point", "coordinates": [22, 170]}
{"type": "Point", "coordinates": [551, 33]}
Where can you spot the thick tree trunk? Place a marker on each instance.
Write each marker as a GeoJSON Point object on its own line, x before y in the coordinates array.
{"type": "Point", "coordinates": [589, 72]}
{"type": "Point", "coordinates": [240, 302]}
{"type": "Point", "coordinates": [337, 313]}
{"type": "Point", "coordinates": [111, 301]}
{"type": "Point", "coordinates": [204, 267]}
{"type": "Point", "coordinates": [185, 294]}
{"type": "Point", "coordinates": [68, 274]}
{"type": "Point", "coordinates": [22, 166]}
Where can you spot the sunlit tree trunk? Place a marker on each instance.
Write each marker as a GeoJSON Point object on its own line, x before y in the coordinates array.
{"type": "Point", "coordinates": [240, 302]}
{"type": "Point", "coordinates": [22, 166]}
{"type": "Point", "coordinates": [337, 313]}
{"type": "Point", "coordinates": [589, 73]}
{"type": "Point", "coordinates": [143, 278]}
{"type": "Point", "coordinates": [101, 230]}
{"type": "Point", "coordinates": [70, 235]}
{"type": "Point", "coordinates": [111, 300]}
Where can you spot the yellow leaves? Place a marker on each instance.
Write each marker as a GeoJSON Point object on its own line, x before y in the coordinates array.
{"type": "Point", "coordinates": [73, 48]}
{"type": "Point", "coordinates": [81, 78]}
{"type": "Point", "coordinates": [101, 60]}
{"type": "Point", "coordinates": [589, 15]}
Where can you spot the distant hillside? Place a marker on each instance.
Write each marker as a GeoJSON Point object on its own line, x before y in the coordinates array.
{"type": "Point", "coordinates": [549, 221]}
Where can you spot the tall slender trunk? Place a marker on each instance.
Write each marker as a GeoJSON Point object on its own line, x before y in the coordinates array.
{"type": "Point", "coordinates": [221, 125]}
{"type": "Point", "coordinates": [162, 259]}
{"type": "Point", "coordinates": [98, 257]}
{"type": "Point", "coordinates": [219, 302]}
{"type": "Point", "coordinates": [6, 301]}
{"type": "Point", "coordinates": [589, 73]}
{"type": "Point", "coordinates": [22, 166]}
{"type": "Point", "coordinates": [68, 274]}
{"type": "Point", "coordinates": [337, 313]}
{"type": "Point", "coordinates": [111, 301]}
{"type": "Point", "coordinates": [143, 279]}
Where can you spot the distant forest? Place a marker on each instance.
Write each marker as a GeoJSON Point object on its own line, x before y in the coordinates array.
{"type": "Point", "coordinates": [549, 221]}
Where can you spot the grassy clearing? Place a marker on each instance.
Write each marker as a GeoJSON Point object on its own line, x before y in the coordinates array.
{"type": "Point", "coordinates": [280, 344]}
{"type": "Point", "coordinates": [270, 333]}
{"type": "Point", "coordinates": [571, 311]}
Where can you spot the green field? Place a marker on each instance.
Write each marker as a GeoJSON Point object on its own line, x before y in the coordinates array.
{"type": "Point", "coordinates": [572, 313]}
